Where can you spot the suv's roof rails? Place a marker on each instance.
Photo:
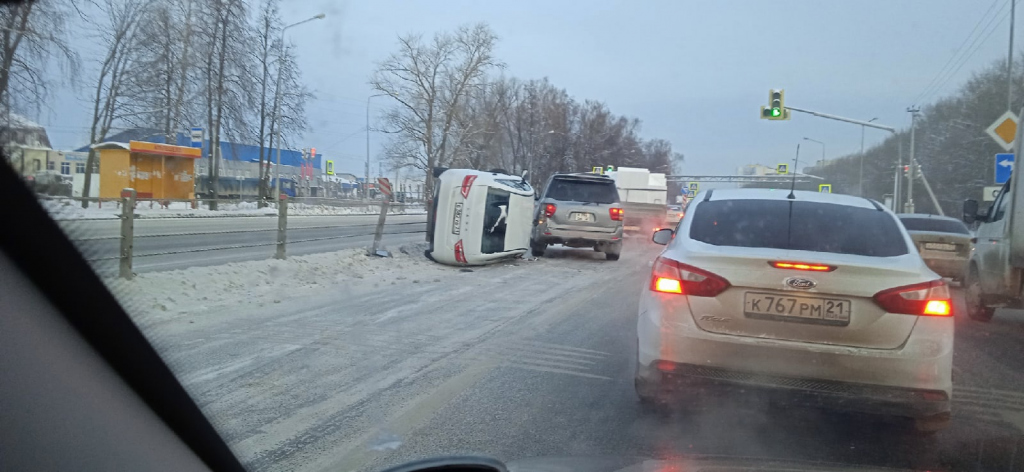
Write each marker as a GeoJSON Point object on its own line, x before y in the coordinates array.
{"type": "Point", "coordinates": [707, 196]}
{"type": "Point", "coordinates": [876, 204]}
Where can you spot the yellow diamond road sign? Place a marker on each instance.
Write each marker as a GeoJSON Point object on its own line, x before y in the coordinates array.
{"type": "Point", "coordinates": [1004, 130]}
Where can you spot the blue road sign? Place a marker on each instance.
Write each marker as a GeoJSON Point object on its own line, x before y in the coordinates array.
{"type": "Point", "coordinates": [1004, 166]}
{"type": "Point", "coordinates": [197, 137]}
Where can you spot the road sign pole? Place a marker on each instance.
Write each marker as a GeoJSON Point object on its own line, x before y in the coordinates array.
{"type": "Point", "coordinates": [127, 232]}
{"type": "Point", "coordinates": [282, 225]}
{"type": "Point", "coordinates": [378, 234]}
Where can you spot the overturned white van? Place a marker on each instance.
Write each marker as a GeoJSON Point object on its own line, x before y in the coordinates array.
{"type": "Point", "coordinates": [479, 217]}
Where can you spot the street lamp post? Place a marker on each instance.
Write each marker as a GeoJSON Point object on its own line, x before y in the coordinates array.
{"type": "Point", "coordinates": [822, 149]}
{"type": "Point", "coordinates": [277, 104]}
{"type": "Point", "coordinates": [860, 186]}
{"type": "Point", "coordinates": [366, 184]}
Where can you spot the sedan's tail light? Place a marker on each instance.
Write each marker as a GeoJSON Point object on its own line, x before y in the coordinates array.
{"type": "Point", "coordinates": [928, 298]}
{"type": "Point", "coordinates": [549, 210]}
{"type": "Point", "coordinates": [669, 276]}
{"type": "Point", "coordinates": [615, 213]}
{"type": "Point", "coordinates": [802, 266]}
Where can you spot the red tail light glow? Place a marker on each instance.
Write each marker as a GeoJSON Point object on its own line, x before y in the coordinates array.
{"type": "Point", "coordinates": [460, 253]}
{"type": "Point", "coordinates": [929, 298]}
{"type": "Point", "coordinates": [669, 276]}
{"type": "Point", "coordinates": [549, 210]}
{"type": "Point", "coordinates": [615, 213]}
{"type": "Point", "coordinates": [467, 183]}
{"type": "Point", "coordinates": [802, 266]}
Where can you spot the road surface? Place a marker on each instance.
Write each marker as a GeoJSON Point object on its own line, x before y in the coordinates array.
{"type": "Point", "coordinates": [99, 239]}
{"type": "Point", "coordinates": [532, 359]}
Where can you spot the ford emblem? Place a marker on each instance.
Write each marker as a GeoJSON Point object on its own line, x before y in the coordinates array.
{"type": "Point", "coordinates": [801, 283]}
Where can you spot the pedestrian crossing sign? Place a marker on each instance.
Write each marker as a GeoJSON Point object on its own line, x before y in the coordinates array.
{"type": "Point", "coordinates": [825, 188]}
{"type": "Point", "coordinates": [782, 169]}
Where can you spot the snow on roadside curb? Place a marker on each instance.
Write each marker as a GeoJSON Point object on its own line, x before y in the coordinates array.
{"type": "Point", "coordinates": [68, 210]}
{"type": "Point", "coordinates": [159, 296]}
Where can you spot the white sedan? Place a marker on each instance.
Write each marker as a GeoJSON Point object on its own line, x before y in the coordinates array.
{"type": "Point", "coordinates": [806, 298]}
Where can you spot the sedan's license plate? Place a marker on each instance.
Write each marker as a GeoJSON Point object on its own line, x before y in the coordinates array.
{"type": "Point", "coordinates": [577, 216]}
{"type": "Point", "coordinates": [940, 246]}
{"type": "Point", "coordinates": [810, 309]}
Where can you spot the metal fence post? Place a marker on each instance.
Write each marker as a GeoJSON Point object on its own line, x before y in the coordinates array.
{"type": "Point", "coordinates": [282, 225]}
{"type": "Point", "coordinates": [127, 230]}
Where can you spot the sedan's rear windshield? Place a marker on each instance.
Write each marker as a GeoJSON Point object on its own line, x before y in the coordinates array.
{"type": "Point", "coordinates": [935, 225]}
{"type": "Point", "coordinates": [579, 190]}
{"type": "Point", "coordinates": [798, 225]}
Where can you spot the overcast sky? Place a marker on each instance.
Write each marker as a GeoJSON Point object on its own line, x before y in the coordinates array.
{"type": "Point", "coordinates": [695, 73]}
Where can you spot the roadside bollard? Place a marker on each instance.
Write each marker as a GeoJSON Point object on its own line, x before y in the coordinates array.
{"type": "Point", "coordinates": [127, 231]}
{"type": "Point", "coordinates": [282, 225]}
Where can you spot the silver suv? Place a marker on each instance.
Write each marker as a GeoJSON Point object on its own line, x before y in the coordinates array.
{"type": "Point", "coordinates": [578, 210]}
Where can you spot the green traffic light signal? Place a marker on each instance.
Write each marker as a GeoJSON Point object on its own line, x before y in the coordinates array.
{"type": "Point", "coordinates": [776, 112]}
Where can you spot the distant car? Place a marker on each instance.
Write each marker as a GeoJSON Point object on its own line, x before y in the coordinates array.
{"type": "Point", "coordinates": [817, 299]}
{"type": "Point", "coordinates": [578, 210]}
{"type": "Point", "coordinates": [944, 243]}
{"type": "Point", "coordinates": [675, 213]}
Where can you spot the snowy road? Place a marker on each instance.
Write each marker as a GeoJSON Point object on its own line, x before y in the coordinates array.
{"type": "Point", "coordinates": [102, 243]}
{"type": "Point", "coordinates": [355, 363]}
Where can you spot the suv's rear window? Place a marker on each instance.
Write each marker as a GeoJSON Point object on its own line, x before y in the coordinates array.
{"type": "Point", "coordinates": [579, 190]}
{"type": "Point", "coordinates": [797, 225]}
{"type": "Point", "coordinates": [934, 224]}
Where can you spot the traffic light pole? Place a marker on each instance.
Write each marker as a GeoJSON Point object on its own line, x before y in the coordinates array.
{"type": "Point", "coordinates": [899, 156]}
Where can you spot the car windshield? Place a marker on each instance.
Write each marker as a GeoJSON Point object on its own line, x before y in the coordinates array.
{"type": "Point", "coordinates": [580, 190]}
{"type": "Point", "coordinates": [798, 225]}
{"type": "Point", "coordinates": [934, 225]}
{"type": "Point", "coordinates": [361, 233]}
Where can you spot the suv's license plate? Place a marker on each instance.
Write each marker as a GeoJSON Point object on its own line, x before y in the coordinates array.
{"type": "Point", "coordinates": [577, 216]}
{"type": "Point", "coordinates": [772, 305]}
{"type": "Point", "coordinates": [940, 246]}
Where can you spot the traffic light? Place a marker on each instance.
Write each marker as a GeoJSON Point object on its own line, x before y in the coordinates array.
{"type": "Point", "coordinates": [776, 109]}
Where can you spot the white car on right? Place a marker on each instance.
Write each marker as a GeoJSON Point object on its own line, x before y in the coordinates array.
{"type": "Point", "coordinates": [807, 298]}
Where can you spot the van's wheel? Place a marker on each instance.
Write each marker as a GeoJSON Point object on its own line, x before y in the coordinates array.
{"type": "Point", "coordinates": [537, 248]}
{"type": "Point", "coordinates": [976, 308]}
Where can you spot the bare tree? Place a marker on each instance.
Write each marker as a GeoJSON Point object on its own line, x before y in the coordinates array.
{"type": "Point", "coordinates": [430, 81]}
{"type": "Point", "coordinates": [272, 59]}
{"type": "Point", "coordinates": [224, 76]}
{"type": "Point", "coordinates": [120, 33]}
{"type": "Point", "coordinates": [31, 35]}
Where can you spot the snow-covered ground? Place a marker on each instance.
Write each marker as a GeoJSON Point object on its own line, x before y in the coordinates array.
{"type": "Point", "coordinates": [66, 209]}
{"type": "Point", "coordinates": [165, 295]}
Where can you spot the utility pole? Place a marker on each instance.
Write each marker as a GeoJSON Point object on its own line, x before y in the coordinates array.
{"type": "Point", "coordinates": [908, 207]}
{"type": "Point", "coordinates": [277, 106]}
{"type": "Point", "coordinates": [1009, 59]}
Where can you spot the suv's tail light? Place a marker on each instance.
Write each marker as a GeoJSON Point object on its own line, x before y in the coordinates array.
{"type": "Point", "coordinates": [929, 298]}
{"type": "Point", "coordinates": [549, 210]}
{"type": "Point", "coordinates": [615, 213]}
{"type": "Point", "coordinates": [671, 276]}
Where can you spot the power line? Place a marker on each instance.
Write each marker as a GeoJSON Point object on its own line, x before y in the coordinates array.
{"type": "Point", "coordinates": [980, 42]}
{"type": "Point", "coordinates": [963, 54]}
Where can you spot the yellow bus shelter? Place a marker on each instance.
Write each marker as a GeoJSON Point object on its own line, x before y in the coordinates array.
{"type": "Point", "coordinates": [154, 170]}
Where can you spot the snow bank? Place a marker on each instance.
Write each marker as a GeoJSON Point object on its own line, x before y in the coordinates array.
{"type": "Point", "coordinates": [66, 209]}
{"type": "Point", "coordinates": [157, 296]}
